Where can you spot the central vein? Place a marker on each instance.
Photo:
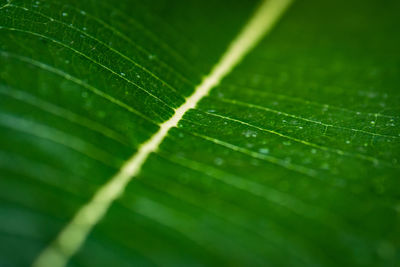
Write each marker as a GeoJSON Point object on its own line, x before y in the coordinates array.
{"type": "Point", "coordinates": [76, 231]}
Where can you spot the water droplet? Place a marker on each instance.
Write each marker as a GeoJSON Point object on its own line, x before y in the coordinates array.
{"type": "Point", "coordinates": [66, 61]}
{"type": "Point", "coordinates": [64, 14]}
{"type": "Point", "coordinates": [83, 12]}
{"type": "Point", "coordinates": [372, 94]}
{"type": "Point", "coordinates": [84, 28]}
{"type": "Point", "coordinates": [358, 113]}
{"type": "Point", "coordinates": [300, 127]}
{"type": "Point", "coordinates": [151, 57]}
{"type": "Point", "coordinates": [211, 110]}
{"type": "Point", "coordinates": [313, 151]}
{"type": "Point", "coordinates": [347, 142]}
{"type": "Point", "coordinates": [122, 74]}
{"type": "Point", "coordinates": [284, 121]}
{"type": "Point", "coordinates": [138, 76]}
{"type": "Point", "coordinates": [218, 161]}
{"type": "Point", "coordinates": [249, 133]}
{"type": "Point", "coordinates": [264, 150]}
{"type": "Point", "coordinates": [249, 145]}
{"type": "Point", "coordinates": [372, 122]}
{"type": "Point", "coordinates": [286, 143]}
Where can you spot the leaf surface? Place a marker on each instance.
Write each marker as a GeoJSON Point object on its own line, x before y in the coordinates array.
{"type": "Point", "coordinates": [291, 160]}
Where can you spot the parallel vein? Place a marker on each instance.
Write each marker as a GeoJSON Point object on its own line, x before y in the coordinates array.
{"type": "Point", "coordinates": [74, 234]}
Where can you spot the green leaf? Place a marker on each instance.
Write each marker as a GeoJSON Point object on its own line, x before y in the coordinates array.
{"type": "Point", "coordinates": [238, 133]}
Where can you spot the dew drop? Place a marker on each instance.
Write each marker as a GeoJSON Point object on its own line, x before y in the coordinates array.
{"type": "Point", "coordinates": [64, 14]}
{"type": "Point", "coordinates": [138, 76]}
{"type": "Point", "coordinates": [83, 12]}
{"type": "Point", "coordinates": [264, 150]}
{"type": "Point", "coordinates": [372, 122]}
{"type": "Point", "coordinates": [249, 133]}
{"type": "Point", "coordinates": [249, 145]}
{"type": "Point", "coordinates": [84, 28]}
{"type": "Point", "coordinates": [218, 161]}
{"type": "Point", "coordinates": [313, 151]}
{"type": "Point", "coordinates": [122, 74]}
{"type": "Point", "coordinates": [286, 143]}
{"type": "Point", "coordinates": [347, 142]}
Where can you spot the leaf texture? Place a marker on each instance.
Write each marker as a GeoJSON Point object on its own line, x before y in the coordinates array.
{"type": "Point", "coordinates": [291, 160]}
